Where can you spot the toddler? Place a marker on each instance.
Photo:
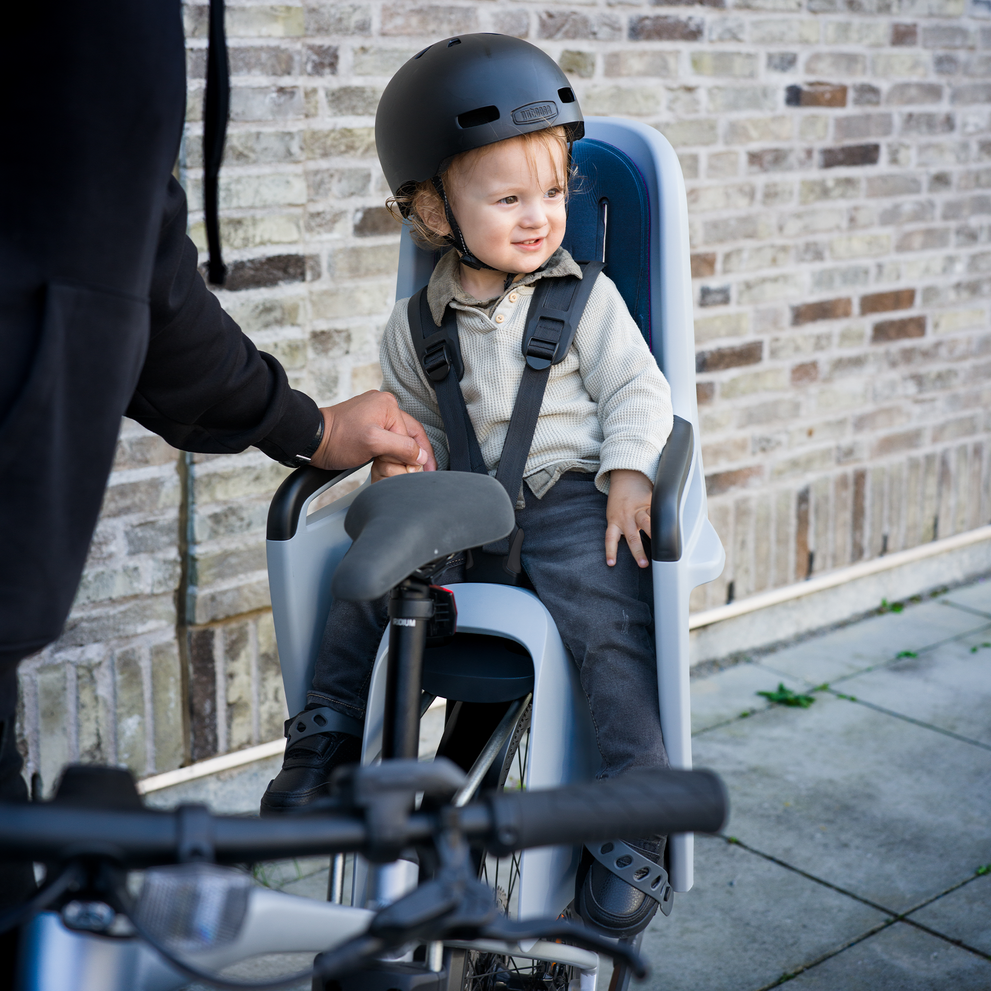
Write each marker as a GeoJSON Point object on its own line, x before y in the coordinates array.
{"type": "Point", "coordinates": [474, 136]}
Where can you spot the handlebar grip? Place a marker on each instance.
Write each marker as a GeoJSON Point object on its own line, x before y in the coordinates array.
{"type": "Point", "coordinates": [641, 803]}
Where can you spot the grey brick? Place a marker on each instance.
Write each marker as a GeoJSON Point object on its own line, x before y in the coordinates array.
{"type": "Point", "coordinates": [863, 126]}
{"type": "Point", "coordinates": [167, 707]}
{"type": "Point", "coordinates": [256, 273]}
{"type": "Point", "coordinates": [131, 726]}
{"type": "Point", "coordinates": [268, 60]}
{"type": "Point", "coordinates": [353, 100]}
{"type": "Point", "coordinates": [948, 36]}
{"type": "Point", "coordinates": [265, 103]}
{"type": "Point", "coordinates": [927, 123]}
{"type": "Point", "coordinates": [338, 19]}
{"type": "Point", "coordinates": [781, 61]}
{"type": "Point", "coordinates": [866, 95]}
{"type": "Point", "coordinates": [321, 60]}
{"type": "Point", "coordinates": [570, 25]}
{"type": "Point", "coordinates": [665, 28]}
{"type": "Point", "coordinates": [907, 93]}
{"type": "Point", "coordinates": [582, 64]}
{"type": "Point", "coordinates": [728, 98]}
{"type": "Point", "coordinates": [430, 21]}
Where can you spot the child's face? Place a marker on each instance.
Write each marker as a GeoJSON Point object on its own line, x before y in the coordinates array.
{"type": "Point", "coordinates": [510, 204]}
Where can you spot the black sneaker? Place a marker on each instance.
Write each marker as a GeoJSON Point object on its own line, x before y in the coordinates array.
{"type": "Point", "coordinates": [306, 770]}
{"type": "Point", "coordinates": [608, 904]}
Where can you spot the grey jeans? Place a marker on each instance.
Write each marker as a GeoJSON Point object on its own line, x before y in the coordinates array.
{"type": "Point", "coordinates": [604, 616]}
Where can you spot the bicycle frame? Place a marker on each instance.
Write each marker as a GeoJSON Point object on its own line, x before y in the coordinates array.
{"type": "Point", "coordinates": [59, 958]}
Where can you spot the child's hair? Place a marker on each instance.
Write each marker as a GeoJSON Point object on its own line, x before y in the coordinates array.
{"type": "Point", "coordinates": [408, 205]}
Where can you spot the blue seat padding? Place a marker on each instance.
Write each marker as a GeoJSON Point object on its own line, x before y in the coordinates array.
{"type": "Point", "coordinates": [605, 174]}
{"type": "Point", "coordinates": [477, 668]}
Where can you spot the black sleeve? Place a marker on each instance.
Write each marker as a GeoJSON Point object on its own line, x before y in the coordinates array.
{"type": "Point", "coordinates": [204, 386]}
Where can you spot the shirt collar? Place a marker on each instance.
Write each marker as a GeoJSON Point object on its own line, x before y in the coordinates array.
{"type": "Point", "coordinates": [445, 286]}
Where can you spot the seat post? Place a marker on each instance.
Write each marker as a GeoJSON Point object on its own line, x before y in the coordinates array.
{"type": "Point", "coordinates": [410, 610]}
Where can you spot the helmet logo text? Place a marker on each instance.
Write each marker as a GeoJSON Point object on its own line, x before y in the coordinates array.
{"type": "Point", "coordinates": [534, 112]}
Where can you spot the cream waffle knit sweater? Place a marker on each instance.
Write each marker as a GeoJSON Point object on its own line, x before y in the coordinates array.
{"type": "Point", "coordinates": [606, 405]}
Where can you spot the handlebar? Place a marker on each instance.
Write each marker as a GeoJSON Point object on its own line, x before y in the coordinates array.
{"type": "Point", "coordinates": [640, 803]}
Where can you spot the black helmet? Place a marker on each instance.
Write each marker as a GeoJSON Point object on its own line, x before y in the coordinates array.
{"type": "Point", "coordinates": [465, 93]}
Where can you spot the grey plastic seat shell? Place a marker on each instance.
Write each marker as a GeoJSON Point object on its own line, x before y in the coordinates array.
{"type": "Point", "coordinates": [562, 740]}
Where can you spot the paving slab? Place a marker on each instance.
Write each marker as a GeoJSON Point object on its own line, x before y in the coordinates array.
{"type": "Point", "coordinates": [876, 805]}
{"type": "Point", "coordinates": [733, 691]}
{"type": "Point", "coordinates": [963, 914]}
{"type": "Point", "coordinates": [876, 640]}
{"type": "Point", "coordinates": [976, 596]}
{"type": "Point", "coordinates": [899, 958]}
{"type": "Point", "coordinates": [948, 686]}
{"type": "Point", "coordinates": [746, 922]}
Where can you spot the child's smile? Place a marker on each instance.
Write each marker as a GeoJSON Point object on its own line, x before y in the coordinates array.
{"type": "Point", "coordinates": [510, 204]}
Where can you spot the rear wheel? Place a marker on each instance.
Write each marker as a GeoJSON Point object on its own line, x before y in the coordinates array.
{"type": "Point", "coordinates": [469, 727]}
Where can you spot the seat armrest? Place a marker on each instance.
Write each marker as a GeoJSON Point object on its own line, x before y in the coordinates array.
{"type": "Point", "coordinates": [292, 495]}
{"type": "Point", "coordinates": [672, 474]}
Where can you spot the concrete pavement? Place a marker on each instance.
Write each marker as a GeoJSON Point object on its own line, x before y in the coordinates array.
{"type": "Point", "coordinates": [858, 824]}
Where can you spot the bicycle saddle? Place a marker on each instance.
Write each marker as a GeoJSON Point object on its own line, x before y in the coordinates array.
{"type": "Point", "coordinates": [404, 522]}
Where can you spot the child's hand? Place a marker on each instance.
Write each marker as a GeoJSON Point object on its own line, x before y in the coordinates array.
{"type": "Point", "coordinates": [627, 513]}
{"type": "Point", "coordinates": [381, 468]}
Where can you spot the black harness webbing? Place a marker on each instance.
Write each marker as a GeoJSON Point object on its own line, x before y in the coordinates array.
{"type": "Point", "coordinates": [556, 309]}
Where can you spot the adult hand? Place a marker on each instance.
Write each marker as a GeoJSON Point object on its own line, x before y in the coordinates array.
{"type": "Point", "coordinates": [372, 426]}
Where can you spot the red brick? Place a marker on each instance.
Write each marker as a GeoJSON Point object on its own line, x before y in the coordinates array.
{"type": "Point", "coordinates": [738, 478]}
{"type": "Point", "coordinates": [895, 330]}
{"type": "Point", "coordinates": [824, 309]}
{"type": "Point", "coordinates": [881, 302]}
{"type": "Point", "coordinates": [816, 95]}
{"type": "Point", "coordinates": [723, 358]}
{"type": "Point", "coordinates": [703, 265]}
{"type": "Point", "coordinates": [830, 158]}
{"type": "Point", "coordinates": [802, 559]}
{"type": "Point", "coordinates": [904, 35]}
{"type": "Point", "coordinates": [808, 371]}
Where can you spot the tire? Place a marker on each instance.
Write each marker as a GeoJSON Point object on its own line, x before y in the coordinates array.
{"type": "Point", "coordinates": [469, 726]}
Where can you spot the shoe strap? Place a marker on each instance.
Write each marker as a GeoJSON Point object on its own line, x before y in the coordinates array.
{"type": "Point", "coordinates": [311, 722]}
{"type": "Point", "coordinates": [625, 862]}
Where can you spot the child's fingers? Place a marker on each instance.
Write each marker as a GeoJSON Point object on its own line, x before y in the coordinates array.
{"type": "Point", "coordinates": [613, 533]}
{"type": "Point", "coordinates": [636, 547]}
{"type": "Point", "coordinates": [643, 520]}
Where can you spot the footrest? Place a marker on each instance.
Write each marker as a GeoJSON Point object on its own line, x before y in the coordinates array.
{"type": "Point", "coordinates": [324, 720]}
{"type": "Point", "coordinates": [636, 870]}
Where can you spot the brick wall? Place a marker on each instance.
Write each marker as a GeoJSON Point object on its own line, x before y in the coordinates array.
{"type": "Point", "coordinates": [837, 155]}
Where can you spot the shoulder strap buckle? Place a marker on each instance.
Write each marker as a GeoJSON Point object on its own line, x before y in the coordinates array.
{"type": "Point", "coordinates": [436, 361]}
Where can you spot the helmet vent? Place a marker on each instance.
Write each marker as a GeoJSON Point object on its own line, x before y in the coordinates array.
{"type": "Point", "coordinates": [454, 41]}
{"type": "Point", "coordinates": [566, 94]}
{"type": "Point", "coordinates": [474, 118]}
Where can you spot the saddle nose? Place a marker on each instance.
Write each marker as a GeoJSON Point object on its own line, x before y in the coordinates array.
{"type": "Point", "coordinates": [404, 522]}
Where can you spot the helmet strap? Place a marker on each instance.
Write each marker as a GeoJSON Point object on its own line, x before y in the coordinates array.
{"type": "Point", "coordinates": [458, 238]}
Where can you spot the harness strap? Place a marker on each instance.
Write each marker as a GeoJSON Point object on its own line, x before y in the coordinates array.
{"type": "Point", "coordinates": [556, 309]}
{"type": "Point", "coordinates": [440, 356]}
